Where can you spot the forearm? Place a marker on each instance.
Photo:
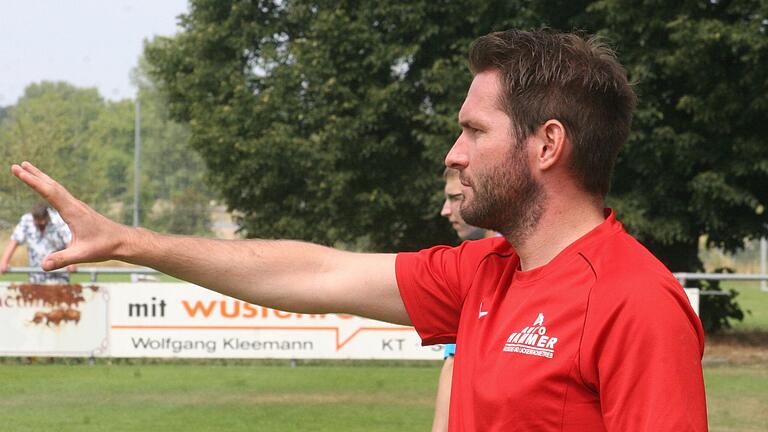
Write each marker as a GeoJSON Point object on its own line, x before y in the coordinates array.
{"type": "Point", "coordinates": [8, 253]}
{"type": "Point", "coordinates": [286, 275]}
{"type": "Point", "coordinates": [246, 269]}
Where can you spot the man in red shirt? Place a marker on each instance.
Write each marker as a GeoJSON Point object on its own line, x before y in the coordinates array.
{"type": "Point", "coordinates": [567, 325]}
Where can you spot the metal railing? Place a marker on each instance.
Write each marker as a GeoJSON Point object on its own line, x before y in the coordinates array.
{"type": "Point", "coordinates": [94, 272]}
{"type": "Point", "coordinates": [744, 277]}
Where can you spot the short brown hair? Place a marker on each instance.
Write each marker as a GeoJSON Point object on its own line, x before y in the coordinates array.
{"type": "Point", "coordinates": [40, 211]}
{"type": "Point", "coordinates": [568, 77]}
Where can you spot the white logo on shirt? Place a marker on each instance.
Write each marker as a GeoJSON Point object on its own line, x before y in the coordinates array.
{"type": "Point", "coordinates": [532, 340]}
{"type": "Point", "coordinates": [482, 313]}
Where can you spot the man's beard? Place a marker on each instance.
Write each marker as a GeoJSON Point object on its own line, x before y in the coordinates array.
{"type": "Point", "coordinates": [506, 199]}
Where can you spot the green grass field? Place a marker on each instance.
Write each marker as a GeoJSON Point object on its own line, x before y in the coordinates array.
{"type": "Point", "coordinates": [754, 303]}
{"type": "Point", "coordinates": [173, 397]}
{"type": "Point", "coordinates": [194, 397]}
{"type": "Point", "coordinates": [737, 397]}
{"type": "Point", "coordinates": [188, 396]}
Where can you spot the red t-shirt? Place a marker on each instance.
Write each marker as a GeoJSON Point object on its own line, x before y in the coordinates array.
{"type": "Point", "coordinates": [600, 338]}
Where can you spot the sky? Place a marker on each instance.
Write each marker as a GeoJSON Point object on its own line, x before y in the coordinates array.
{"type": "Point", "coordinates": [87, 43]}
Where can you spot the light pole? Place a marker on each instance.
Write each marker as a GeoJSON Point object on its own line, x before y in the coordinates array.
{"type": "Point", "coordinates": [137, 163]}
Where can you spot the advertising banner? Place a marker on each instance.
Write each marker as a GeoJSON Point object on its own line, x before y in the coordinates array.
{"type": "Point", "coordinates": [693, 297]}
{"type": "Point", "coordinates": [181, 320]}
{"type": "Point", "coordinates": [184, 320]}
{"type": "Point", "coordinates": [53, 320]}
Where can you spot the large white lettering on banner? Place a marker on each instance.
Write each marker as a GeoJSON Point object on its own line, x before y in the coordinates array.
{"type": "Point", "coordinates": [53, 320]}
{"type": "Point", "coordinates": [184, 320]}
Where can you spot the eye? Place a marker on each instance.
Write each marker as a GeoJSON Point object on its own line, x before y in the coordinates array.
{"type": "Point", "coordinates": [474, 130]}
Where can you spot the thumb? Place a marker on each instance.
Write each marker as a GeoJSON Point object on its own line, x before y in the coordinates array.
{"type": "Point", "coordinates": [58, 260]}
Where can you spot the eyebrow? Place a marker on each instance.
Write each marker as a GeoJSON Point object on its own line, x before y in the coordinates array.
{"type": "Point", "coordinates": [470, 123]}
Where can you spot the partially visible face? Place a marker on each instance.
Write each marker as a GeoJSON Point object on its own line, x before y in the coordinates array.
{"type": "Point", "coordinates": [452, 210]}
{"type": "Point", "coordinates": [500, 192]}
{"type": "Point", "coordinates": [41, 223]}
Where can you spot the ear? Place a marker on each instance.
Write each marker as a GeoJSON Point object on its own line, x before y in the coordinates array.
{"type": "Point", "coordinates": [552, 144]}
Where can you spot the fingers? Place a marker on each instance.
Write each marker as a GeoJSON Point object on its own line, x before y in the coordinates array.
{"type": "Point", "coordinates": [30, 175]}
{"type": "Point", "coordinates": [34, 170]}
{"type": "Point", "coordinates": [46, 187]}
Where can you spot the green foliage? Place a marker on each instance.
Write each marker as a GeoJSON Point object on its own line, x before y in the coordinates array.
{"type": "Point", "coordinates": [110, 141]}
{"type": "Point", "coordinates": [50, 126]}
{"type": "Point", "coordinates": [697, 162]}
{"type": "Point", "coordinates": [174, 179]}
{"type": "Point", "coordinates": [328, 121]}
{"type": "Point", "coordinates": [88, 144]}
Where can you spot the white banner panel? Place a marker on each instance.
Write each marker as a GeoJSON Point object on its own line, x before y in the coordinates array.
{"type": "Point", "coordinates": [53, 320]}
{"type": "Point", "coordinates": [184, 320]}
{"type": "Point", "coordinates": [693, 297]}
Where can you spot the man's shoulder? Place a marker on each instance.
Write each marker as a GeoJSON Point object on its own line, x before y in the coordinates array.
{"type": "Point", "coordinates": [464, 259]}
{"type": "Point", "coordinates": [623, 266]}
{"type": "Point", "coordinates": [26, 218]}
{"type": "Point", "coordinates": [632, 286]}
{"type": "Point", "coordinates": [26, 224]}
{"type": "Point", "coordinates": [488, 248]}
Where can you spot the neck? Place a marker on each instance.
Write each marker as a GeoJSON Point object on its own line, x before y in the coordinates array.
{"type": "Point", "coordinates": [560, 225]}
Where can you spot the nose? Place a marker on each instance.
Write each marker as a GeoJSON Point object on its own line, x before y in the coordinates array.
{"type": "Point", "coordinates": [446, 210]}
{"type": "Point", "coordinates": [457, 157]}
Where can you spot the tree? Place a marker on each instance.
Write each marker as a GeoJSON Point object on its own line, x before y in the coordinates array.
{"type": "Point", "coordinates": [697, 161]}
{"type": "Point", "coordinates": [328, 121]}
{"type": "Point", "coordinates": [87, 143]}
{"type": "Point", "coordinates": [110, 142]}
{"type": "Point", "coordinates": [174, 176]}
{"type": "Point", "coordinates": [49, 125]}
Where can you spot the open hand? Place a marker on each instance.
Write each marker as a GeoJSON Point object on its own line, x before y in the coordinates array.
{"type": "Point", "coordinates": [94, 237]}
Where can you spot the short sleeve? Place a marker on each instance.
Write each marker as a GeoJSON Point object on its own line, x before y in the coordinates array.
{"type": "Point", "coordinates": [642, 352]}
{"type": "Point", "coordinates": [434, 283]}
{"type": "Point", "coordinates": [428, 283]}
{"type": "Point", "coordinates": [19, 234]}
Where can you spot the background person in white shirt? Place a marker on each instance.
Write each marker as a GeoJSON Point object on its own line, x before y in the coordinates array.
{"type": "Point", "coordinates": [43, 233]}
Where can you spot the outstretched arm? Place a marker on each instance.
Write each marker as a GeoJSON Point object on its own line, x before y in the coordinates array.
{"type": "Point", "coordinates": [286, 275]}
